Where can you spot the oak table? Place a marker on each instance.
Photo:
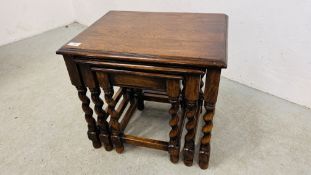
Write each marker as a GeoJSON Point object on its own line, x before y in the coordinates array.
{"type": "Point", "coordinates": [151, 56]}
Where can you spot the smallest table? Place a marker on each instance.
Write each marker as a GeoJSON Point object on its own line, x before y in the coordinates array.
{"type": "Point", "coordinates": [151, 56]}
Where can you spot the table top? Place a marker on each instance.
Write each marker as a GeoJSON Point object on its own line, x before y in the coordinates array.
{"type": "Point", "coordinates": [191, 39]}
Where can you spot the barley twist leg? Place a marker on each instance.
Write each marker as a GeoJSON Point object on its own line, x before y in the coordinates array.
{"type": "Point", "coordinates": [88, 113]}
{"type": "Point", "coordinates": [114, 123]}
{"type": "Point", "coordinates": [103, 125]}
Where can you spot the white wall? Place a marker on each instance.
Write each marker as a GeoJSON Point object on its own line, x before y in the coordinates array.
{"type": "Point", "coordinates": [24, 18]}
{"type": "Point", "coordinates": [269, 41]}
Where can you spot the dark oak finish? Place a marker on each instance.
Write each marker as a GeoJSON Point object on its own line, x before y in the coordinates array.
{"type": "Point", "coordinates": [169, 38]}
{"type": "Point", "coordinates": [91, 123]}
{"type": "Point", "coordinates": [101, 119]}
{"type": "Point", "coordinates": [151, 56]}
{"type": "Point", "coordinates": [107, 86]}
{"type": "Point", "coordinates": [155, 97]}
{"type": "Point", "coordinates": [128, 115]}
{"type": "Point", "coordinates": [210, 98]}
{"type": "Point", "coordinates": [192, 87]}
{"type": "Point", "coordinates": [173, 92]}
{"type": "Point", "coordinates": [149, 143]}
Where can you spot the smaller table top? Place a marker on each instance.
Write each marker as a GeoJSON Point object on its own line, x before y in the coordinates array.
{"type": "Point", "coordinates": [193, 39]}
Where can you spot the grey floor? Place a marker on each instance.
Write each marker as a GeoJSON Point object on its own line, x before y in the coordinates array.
{"type": "Point", "coordinates": [42, 129]}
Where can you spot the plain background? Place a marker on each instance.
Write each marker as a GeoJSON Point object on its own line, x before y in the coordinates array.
{"type": "Point", "coordinates": [269, 41]}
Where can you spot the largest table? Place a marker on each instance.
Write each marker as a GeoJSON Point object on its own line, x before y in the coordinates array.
{"type": "Point", "coordinates": [169, 43]}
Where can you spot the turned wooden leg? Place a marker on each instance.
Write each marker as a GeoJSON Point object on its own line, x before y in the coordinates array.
{"type": "Point", "coordinates": [103, 125]}
{"type": "Point", "coordinates": [204, 153]}
{"type": "Point", "coordinates": [114, 123]}
{"type": "Point", "coordinates": [140, 99]}
{"type": "Point", "coordinates": [201, 98]}
{"type": "Point", "coordinates": [210, 98]}
{"type": "Point", "coordinates": [91, 123]}
{"type": "Point", "coordinates": [191, 97]}
{"type": "Point", "coordinates": [115, 126]}
{"type": "Point", "coordinates": [173, 92]}
{"type": "Point", "coordinates": [189, 147]}
{"type": "Point", "coordinates": [173, 143]}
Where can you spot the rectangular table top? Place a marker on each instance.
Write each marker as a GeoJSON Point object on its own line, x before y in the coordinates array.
{"type": "Point", "coordinates": [191, 39]}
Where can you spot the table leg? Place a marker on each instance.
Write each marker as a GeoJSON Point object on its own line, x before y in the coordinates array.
{"type": "Point", "coordinates": [102, 116]}
{"type": "Point", "coordinates": [91, 123]}
{"type": "Point", "coordinates": [114, 123]}
{"type": "Point", "coordinates": [201, 98]}
{"type": "Point", "coordinates": [140, 99]}
{"type": "Point", "coordinates": [192, 86]}
{"type": "Point", "coordinates": [115, 126]}
{"type": "Point", "coordinates": [210, 98]}
{"type": "Point", "coordinates": [173, 91]}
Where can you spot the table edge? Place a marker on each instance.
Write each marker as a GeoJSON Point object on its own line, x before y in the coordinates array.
{"type": "Point", "coordinates": [147, 58]}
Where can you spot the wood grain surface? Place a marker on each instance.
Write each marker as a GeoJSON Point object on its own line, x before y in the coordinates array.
{"type": "Point", "coordinates": [192, 39]}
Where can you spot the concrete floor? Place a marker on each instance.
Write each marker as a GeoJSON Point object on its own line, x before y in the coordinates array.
{"type": "Point", "coordinates": [42, 129]}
